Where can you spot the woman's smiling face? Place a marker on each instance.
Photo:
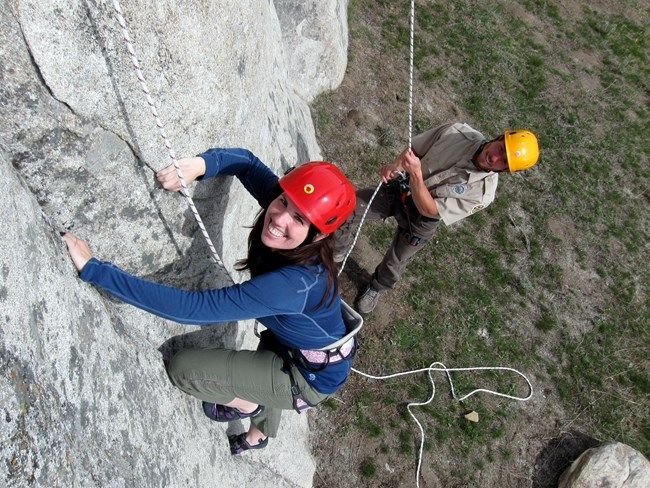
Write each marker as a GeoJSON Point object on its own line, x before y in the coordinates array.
{"type": "Point", "coordinates": [284, 226]}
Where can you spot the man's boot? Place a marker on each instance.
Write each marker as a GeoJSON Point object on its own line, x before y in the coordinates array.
{"type": "Point", "coordinates": [368, 300]}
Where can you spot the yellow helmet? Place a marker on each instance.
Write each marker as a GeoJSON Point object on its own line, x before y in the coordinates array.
{"type": "Point", "coordinates": [522, 149]}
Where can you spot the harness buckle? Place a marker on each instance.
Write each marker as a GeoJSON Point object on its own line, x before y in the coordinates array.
{"type": "Point", "coordinates": [403, 184]}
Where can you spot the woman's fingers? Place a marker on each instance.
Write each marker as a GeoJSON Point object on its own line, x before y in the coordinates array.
{"type": "Point", "coordinates": [168, 178]}
{"type": "Point", "coordinates": [191, 168]}
{"type": "Point", "coordinates": [79, 250]}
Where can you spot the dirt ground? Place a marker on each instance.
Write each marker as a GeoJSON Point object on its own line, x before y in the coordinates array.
{"type": "Point", "coordinates": [539, 439]}
{"type": "Point", "coordinates": [359, 440]}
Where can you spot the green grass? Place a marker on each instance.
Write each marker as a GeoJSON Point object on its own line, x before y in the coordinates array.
{"type": "Point", "coordinates": [380, 235]}
{"type": "Point", "coordinates": [563, 290]}
{"type": "Point", "coordinates": [368, 468]}
{"type": "Point", "coordinates": [546, 321]}
{"type": "Point", "coordinates": [406, 441]}
{"type": "Point", "coordinates": [367, 426]}
{"type": "Point", "coordinates": [329, 404]}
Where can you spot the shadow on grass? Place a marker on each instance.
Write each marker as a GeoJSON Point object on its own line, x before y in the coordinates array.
{"type": "Point", "coordinates": [558, 455]}
{"type": "Point", "coordinates": [356, 275]}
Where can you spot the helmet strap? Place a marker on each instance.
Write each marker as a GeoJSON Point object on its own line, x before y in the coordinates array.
{"type": "Point", "coordinates": [319, 237]}
{"type": "Point", "coordinates": [312, 236]}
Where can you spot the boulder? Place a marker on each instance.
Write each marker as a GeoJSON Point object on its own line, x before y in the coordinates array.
{"type": "Point", "coordinates": [317, 47]}
{"type": "Point", "coordinates": [84, 396]}
{"type": "Point", "coordinates": [612, 465]}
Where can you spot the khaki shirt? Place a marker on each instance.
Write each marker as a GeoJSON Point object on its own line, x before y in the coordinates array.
{"type": "Point", "coordinates": [457, 186]}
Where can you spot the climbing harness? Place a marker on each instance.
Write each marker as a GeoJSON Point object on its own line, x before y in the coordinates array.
{"type": "Point", "coordinates": [341, 350]}
{"type": "Point", "coordinates": [270, 342]}
{"type": "Point", "coordinates": [315, 360]}
{"type": "Point", "coordinates": [346, 347]}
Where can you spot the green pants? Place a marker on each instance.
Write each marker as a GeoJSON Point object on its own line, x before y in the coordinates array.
{"type": "Point", "coordinates": [221, 375]}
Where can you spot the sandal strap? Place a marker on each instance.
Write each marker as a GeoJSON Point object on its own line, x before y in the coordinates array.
{"type": "Point", "coordinates": [239, 444]}
{"type": "Point", "coordinates": [222, 413]}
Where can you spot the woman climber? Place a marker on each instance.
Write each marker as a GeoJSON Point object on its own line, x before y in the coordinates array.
{"type": "Point", "coordinates": [293, 292]}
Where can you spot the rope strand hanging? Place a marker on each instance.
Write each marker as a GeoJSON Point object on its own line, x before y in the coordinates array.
{"type": "Point", "coordinates": [409, 135]}
{"type": "Point", "coordinates": [172, 155]}
{"type": "Point", "coordinates": [412, 26]}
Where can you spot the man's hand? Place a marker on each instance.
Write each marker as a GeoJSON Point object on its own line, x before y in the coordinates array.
{"type": "Point", "coordinates": [412, 164]}
{"type": "Point", "coordinates": [79, 250]}
{"type": "Point", "coordinates": [393, 170]}
{"type": "Point", "coordinates": [191, 168]}
{"type": "Point", "coordinates": [422, 197]}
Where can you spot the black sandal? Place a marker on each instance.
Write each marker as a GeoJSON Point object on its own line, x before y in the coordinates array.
{"type": "Point", "coordinates": [222, 413]}
{"type": "Point", "coordinates": [239, 444]}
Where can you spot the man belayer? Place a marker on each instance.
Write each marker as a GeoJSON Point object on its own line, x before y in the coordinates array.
{"type": "Point", "coordinates": [450, 172]}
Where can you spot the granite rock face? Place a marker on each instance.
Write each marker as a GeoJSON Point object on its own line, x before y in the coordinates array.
{"type": "Point", "coordinates": [317, 47]}
{"type": "Point", "coordinates": [84, 395]}
{"type": "Point", "coordinates": [612, 465]}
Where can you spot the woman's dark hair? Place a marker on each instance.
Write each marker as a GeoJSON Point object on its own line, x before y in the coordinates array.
{"type": "Point", "coordinates": [262, 259]}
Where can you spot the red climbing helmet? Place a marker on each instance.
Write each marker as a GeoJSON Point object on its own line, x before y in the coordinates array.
{"type": "Point", "coordinates": [322, 193]}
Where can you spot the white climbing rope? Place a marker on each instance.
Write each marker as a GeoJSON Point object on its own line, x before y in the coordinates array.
{"type": "Point", "coordinates": [410, 137]}
{"type": "Point", "coordinates": [436, 366]}
{"type": "Point", "coordinates": [172, 155]}
{"type": "Point", "coordinates": [356, 235]}
{"type": "Point", "coordinates": [412, 25]}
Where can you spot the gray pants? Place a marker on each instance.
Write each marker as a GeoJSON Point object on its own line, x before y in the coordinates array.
{"type": "Point", "coordinates": [413, 231]}
{"type": "Point", "coordinates": [221, 375]}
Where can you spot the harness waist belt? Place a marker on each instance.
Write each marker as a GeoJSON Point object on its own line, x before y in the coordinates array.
{"type": "Point", "coordinates": [329, 357]}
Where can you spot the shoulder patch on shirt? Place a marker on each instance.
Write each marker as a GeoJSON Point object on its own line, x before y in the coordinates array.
{"type": "Point", "coordinates": [459, 189]}
{"type": "Point", "coordinates": [476, 208]}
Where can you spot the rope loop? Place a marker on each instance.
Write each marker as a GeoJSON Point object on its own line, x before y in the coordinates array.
{"type": "Point", "coordinates": [438, 366]}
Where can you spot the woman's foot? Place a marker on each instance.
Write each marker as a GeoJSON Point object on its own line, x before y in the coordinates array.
{"type": "Point", "coordinates": [222, 413]}
{"type": "Point", "coordinates": [239, 444]}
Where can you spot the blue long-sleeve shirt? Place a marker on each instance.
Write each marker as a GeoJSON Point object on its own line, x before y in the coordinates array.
{"type": "Point", "coordinates": [287, 301]}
